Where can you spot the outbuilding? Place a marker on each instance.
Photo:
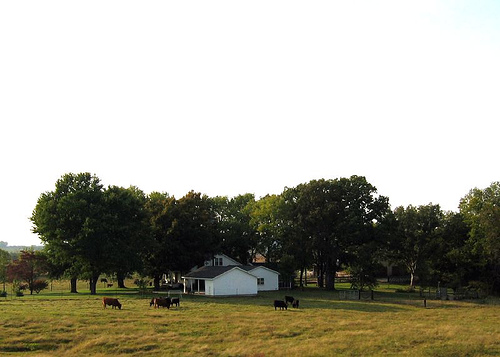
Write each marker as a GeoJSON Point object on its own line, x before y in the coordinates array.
{"type": "Point", "coordinates": [224, 276]}
{"type": "Point", "coordinates": [220, 281]}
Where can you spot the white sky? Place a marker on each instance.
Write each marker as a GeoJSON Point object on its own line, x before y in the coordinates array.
{"type": "Point", "coordinates": [230, 97]}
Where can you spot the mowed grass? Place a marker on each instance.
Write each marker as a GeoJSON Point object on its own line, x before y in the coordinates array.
{"type": "Point", "coordinates": [392, 324]}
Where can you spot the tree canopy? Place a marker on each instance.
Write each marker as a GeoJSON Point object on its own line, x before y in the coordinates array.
{"type": "Point", "coordinates": [322, 225]}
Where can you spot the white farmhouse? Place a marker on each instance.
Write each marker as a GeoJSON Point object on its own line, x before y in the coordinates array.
{"type": "Point", "coordinates": [223, 276]}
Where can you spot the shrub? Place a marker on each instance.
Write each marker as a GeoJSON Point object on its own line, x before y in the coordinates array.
{"type": "Point", "coordinates": [142, 283]}
{"type": "Point", "coordinates": [39, 285]}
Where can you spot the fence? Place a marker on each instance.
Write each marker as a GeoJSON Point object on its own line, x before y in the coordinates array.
{"type": "Point", "coordinates": [356, 295]}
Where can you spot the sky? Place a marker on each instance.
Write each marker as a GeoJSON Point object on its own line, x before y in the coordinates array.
{"type": "Point", "coordinates": [230, 97]}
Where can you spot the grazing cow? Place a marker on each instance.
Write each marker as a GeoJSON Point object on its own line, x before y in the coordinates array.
{"type": "Point", "coordinates": [164, 302]}
{"type": "Point", "coordinates": [111, 302]}
{"type": "Point", "coordinates": [176, 302]}
{"type": "Point", "coordinates": [295, 304]}
{"type": "Point", "coordinates": [281, 304]}
{"type": "Point", "coordinates": [289, 299]}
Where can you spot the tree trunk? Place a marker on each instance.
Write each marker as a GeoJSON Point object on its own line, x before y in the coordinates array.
{"type": "Point", "coordinates": [121, 280]}
{"type": "Point", "coordinates": [301, 277]}
{"type": "Point", "coordinates": [330, 280]}
{"type": "Point", "coordinates": [93, 284]}
{"type": "Point", "coordinates": [331, 269]}
{"type": "Point", "coordinates": [156, 282]}
{"type": "Point", "coordinates": [73, 286]}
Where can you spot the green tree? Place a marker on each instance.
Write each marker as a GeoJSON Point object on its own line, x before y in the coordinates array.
{"type": "Point", "coordinates": [126, 229]}
{"type": "Point", "coordinates": [416, 238]}
{"type": "Point", "coordinates": [296, 239]}
{"type": "Point", "coordinates": [481, 211]}
{"type": "Point", "coordinates": [455, 264]}
{"type": "Point", "coordinates": [160, 209]}
{"type": "Point", "coordinates": [235, 233]}
{"type": "Point", "coordinates": [69, 220]}
{"type": "Point", "coordinates": [193, 236]}
{"type": "Point", "coordinates": [4, 262]}
{"type": "Point", "coordinates": [184, 233]}
{"type": "Point", "coordinates": [266, 221]}
{"type": "Point", "coordinates": [333, 216]}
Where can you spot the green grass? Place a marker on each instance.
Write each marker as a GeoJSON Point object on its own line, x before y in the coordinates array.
{"type": "Point", "coordinates": [58, 323]}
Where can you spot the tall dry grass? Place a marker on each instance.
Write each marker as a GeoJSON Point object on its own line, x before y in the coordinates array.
{"type": "Point", "coordinates": [322, 326]}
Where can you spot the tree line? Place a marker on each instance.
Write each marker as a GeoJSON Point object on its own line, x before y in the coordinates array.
{"type": "Point", "coordinates": [325, 225]}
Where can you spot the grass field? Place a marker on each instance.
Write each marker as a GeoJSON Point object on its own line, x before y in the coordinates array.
{"type": "Point", "coordinates": [57, 324]}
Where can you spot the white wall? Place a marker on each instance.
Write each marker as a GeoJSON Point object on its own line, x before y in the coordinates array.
{"type": "Point", "coordinates": [209, 287]}
{"type": "Point", "coordinates": [234, 282]}
{"type": "Point", "coordinates": [270, 279]}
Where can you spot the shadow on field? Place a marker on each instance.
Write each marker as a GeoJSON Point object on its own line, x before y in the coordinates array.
{"type": "Point", "coordinates": [322, 300]}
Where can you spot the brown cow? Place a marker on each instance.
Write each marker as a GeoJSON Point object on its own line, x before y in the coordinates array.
{"type": "Point", "coordinates": [111, 302]}
{"type": "Point", "coordinates": [164, 302]}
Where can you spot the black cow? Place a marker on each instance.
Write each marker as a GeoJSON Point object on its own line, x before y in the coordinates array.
{"type": "Point", "coordinates": [295, 304]}
{"type": "Point", "coordinates": [176, 302]}
{"type": "Point", "coordinates": [281, 304]}
{"type": "Point", "coordinates": [289, 299]}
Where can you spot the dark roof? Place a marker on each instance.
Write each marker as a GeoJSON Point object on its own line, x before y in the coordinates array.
{"type": "Point", "coordinates": [272, 266]}
{"type": "Point", "coordinates": [210, 272]}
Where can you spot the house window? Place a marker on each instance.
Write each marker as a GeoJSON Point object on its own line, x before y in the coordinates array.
{"type": "Point", "coordinates": [217, 261]}
{"type": "Point", "coordinates": [260, 281]}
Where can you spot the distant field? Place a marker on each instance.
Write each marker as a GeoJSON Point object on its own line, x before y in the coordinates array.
{"type": "Point", "coordinates": [57, 323]}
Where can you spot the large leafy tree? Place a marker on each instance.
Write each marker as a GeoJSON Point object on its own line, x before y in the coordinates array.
{"type": "Point", "coordinates": [481, 211]}
{"type": "Point", "coordinates": [237, 236]}
{"type": "Point", "coordinates": [126, 230]}
{"type": "Point", "coordinates": [69, 220]}
{"type": "Point", "coordinates": [455, 264]}
{"type": "Point", "coordinates": [184, 233]}
{"type": "Point", "coordinates": [267, 222]}
{"type": "Point", "coordinates": [160, 208]}
{"type": "Point", "coordinates": [297, 241]}
{"type": "Point", "coordinates": [416, 238]}
{"type": "Point", "coordinates": [193, 236]}
{"type": "Point", "coordinates": [333, 217]}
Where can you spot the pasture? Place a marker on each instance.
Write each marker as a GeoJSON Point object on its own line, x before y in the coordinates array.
{"type": "Point", "coordinates": [58, 324]}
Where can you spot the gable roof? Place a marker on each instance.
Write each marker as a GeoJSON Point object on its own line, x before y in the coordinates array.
{"type": "Point", "coordinates": [228, 258]}
{"type": "Point", "coordinates": [211, 272]}
{"type": "Point", "coordinates": [263, 267]}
